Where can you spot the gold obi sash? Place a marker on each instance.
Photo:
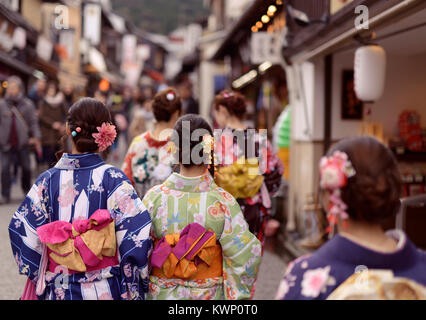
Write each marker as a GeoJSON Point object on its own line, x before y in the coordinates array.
{"type": "Point", "coordinates": [191, 255]}
{"type": "Point", "coordinates": [82, 245]}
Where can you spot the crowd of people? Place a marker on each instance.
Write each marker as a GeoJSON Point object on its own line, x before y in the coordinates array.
{"type": "Point", "coordinates": [34, 123]}
{"type": "Point", "coordinates": [185, 216]}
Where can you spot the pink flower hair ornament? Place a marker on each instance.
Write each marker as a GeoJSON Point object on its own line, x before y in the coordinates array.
{"type": "Point", "coordinates": [227, 95]}
{"type": "Point", "coordinates": [335, 172]}
{"type": "Point", "coordinates": [105, 136]}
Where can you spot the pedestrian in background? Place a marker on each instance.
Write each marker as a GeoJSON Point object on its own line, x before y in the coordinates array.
{"type": "Point", "coordinates": [37, 91]}
{"type": "Point", "coordinates": [149, 161]}
{"type": "Point", "coordinates": [189, 104]}
{"type": "Point", "coordinates": [136, 119]}
{"type": "Point", "coordinates": [52, 116]}
{"type": "Point", "coordinates": [69, 95]}
{"type": "Point", "coordinates": [19, 128]}
{"type": "Point", "coordinates": [253, 192]}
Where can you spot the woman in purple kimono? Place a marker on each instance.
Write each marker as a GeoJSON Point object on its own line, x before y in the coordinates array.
{"type": "Point", "coordinates": [82, 233]}
{"type": "Point", "coordinates": [361, 188]}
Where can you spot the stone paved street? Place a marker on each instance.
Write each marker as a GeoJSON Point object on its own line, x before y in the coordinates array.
{"type": "Point", "coordinates": [12, 283]}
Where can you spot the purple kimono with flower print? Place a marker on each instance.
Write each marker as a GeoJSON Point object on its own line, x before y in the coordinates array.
{"type": "Point", "coordinates": [74, 189]}
{"type": "Point", "coordinates": [316, 276]}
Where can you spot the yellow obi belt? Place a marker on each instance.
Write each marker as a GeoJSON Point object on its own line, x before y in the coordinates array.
{"type": "Point", "coordinates": [191, 255]}
{"type": "Point", "coordinates": [242, 179]}
{"type": "Point", "coordinates": [81, 246]}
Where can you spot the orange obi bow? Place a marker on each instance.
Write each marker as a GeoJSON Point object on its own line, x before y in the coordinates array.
{"type": "Point", "coordinates": [193, 254]}
{"type": "Point", "coordinates": [81, 244]}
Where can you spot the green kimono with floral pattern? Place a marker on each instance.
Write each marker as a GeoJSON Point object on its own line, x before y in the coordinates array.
{"type": "Point", "coordinates": [180, 201]}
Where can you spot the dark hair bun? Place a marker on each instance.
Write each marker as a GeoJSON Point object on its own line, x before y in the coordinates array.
{"type": "Point", "coordinates": [87, 114]}
{"type": "Point", "coordinates": [373, 193]}
{"type": "Point", "coordinates": [187, 140]}
{"type": "Point", "coordinates": [165, 103]}
{"type": "Point", "coordinates": [233, 101]}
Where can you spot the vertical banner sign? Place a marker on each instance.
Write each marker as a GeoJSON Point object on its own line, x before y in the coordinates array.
{"type": "Point", "coordinates": [92, 23]}
{"type": "Point", "coordinates": [130, 67]}
{"type": "Point", "coordinates": [129, 52]}
{"type": "Point", "coordinates": [19, 38]}
{"type": "Point", "coordinates": [143, 52]}
{"type": "Point", "coordinates": [67, 40]}
{"type": "Point", "coordinates": [44, 48]}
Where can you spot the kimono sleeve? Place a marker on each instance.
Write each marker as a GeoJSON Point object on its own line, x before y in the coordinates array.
{"type": "Point", "coordinates": [127, 164]}
{"type": "Point", "coordinates": [241, 255]}
{"type": "Point", "coordinates": [132, 225]}
{"type": "Point", "coordinates": [32, 213]}
{"type": "Point", "coordinates": [301, 282]}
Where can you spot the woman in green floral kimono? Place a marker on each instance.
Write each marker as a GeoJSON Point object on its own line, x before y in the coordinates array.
{"type": "Point", "coordinates": [203, 247]}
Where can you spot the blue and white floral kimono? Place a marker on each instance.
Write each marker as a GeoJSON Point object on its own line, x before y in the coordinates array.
{"type": "Point", "coordinates": [65, 199]}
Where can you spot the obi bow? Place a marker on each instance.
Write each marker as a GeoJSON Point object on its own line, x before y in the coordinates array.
{"type": "Point", "coordinates": [82, 244]}
{"type": "Point", "coordinates": [192, 254]}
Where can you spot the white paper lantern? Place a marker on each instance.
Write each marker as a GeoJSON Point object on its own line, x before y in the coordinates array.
{"type": "Point", "coordinates": [370, 72]}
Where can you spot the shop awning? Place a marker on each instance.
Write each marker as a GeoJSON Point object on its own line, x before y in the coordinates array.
{"type": "Point", "coordinates": [49, 68]}
{"type": "Point", "coordinates": [112, 77]}
{"type": "Point", "coordinates": [242, 27]}
{"type": "Point", "coordinates": [324, 38]}
{"type": "Point", "coordinates": [76, 80]}
{"type": "Point", "coordinates": [19, 20]}
{"type": "Point", "coordinates": [14, 63]}
{"type": "Point", "coordinates": [118, 23]}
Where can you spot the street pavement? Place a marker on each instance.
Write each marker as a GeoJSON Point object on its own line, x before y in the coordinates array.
{"type": "Point", "coordinates": [11, 283]}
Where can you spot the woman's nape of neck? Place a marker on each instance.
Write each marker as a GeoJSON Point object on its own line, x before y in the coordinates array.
{"type": "Point", "coordinates": [368, 235]}
{"type": "Point", "coordinates": [162, 130]}
{"type": "Point", "coordinates": [74, 150]}
{"type": "Point", "coordinates": [193, 171]}
{"type": "Point", "coordinates": [235, 123]}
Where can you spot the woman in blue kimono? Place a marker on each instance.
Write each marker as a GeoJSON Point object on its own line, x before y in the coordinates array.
{"type": "Point", "coordinates": [361, 188]}
{"type": "Point", "coordinates": [82, 232]}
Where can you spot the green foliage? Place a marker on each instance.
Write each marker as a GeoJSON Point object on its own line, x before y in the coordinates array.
{"type": "Point", "coordinates": [160, 16]}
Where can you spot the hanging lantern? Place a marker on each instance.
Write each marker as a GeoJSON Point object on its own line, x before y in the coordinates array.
{"type": "Point", "coordinates": [370, 72]}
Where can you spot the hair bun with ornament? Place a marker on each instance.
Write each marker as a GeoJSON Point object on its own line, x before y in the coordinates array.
{"type": "Point", "coordinates": [334, 173]}
{"type": "Point", "coordinates": [170, 95]}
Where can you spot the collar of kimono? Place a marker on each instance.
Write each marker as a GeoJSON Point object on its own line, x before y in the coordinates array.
{"type": "Point", "coordinates": [81, 244]}
{"type": "Point", "coordinates": [341, 248]}
{"type": "Point", "coordinates": [79, 161]}
{"type": "Point", "coordinates": [154, 143]}
{"type": "Point", "coordinates": [192, 254]}
{"type": "Point", "coordinates": [203, 183]}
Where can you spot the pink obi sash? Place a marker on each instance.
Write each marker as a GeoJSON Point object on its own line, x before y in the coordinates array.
{"type": "Point", "coordinates": [192, 254]}
{"type": "Point", "coordinates": [81, 246]}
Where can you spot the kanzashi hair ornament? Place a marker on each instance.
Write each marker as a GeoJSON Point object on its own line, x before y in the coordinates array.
{"type": "Point", "coordinates": [335, 172]}
{"type": "Point", "coordinates": [170, 96]}
{"type": "Point", "coordinates": [227, 95]}
{"type": "Point", "coordinates": [76, 131]}
{"type": "Point", "coordinates": [172, 148]}
{"type": "Point", "coordinates": [207, 143]}
{"type": "Point", "coordinates": [105, 136]}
